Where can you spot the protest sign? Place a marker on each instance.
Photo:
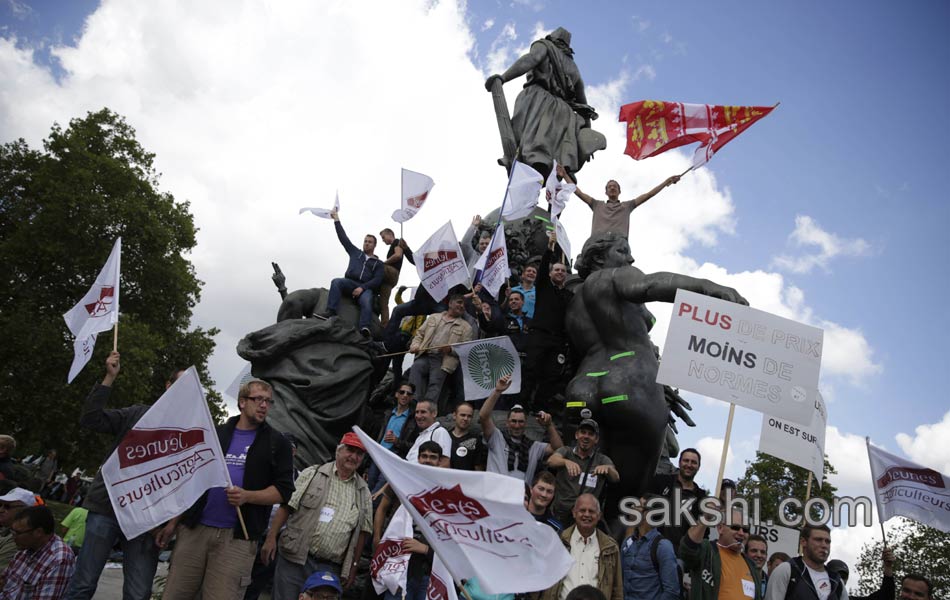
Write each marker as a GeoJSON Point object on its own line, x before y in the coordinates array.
{"type": "Point", "coordinates": [484, 362]}
{"type": "Point", "coordinates": [780, 539]}
{"type": "Point", "coordinates": [741, 355]}
{"type": "Point", "coordinates": [802, 445]}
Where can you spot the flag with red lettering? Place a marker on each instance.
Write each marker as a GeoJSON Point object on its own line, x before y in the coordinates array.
{"type": "Point", "coordinates": [167, 461]}
{"type": "Point", "coordinates": [557, 192]}
{"type": "Point", "coordinates": [98, 311]}
{"type": "Point", "coordinates": [440, 263]}
{"type": "Point", "coordinates": [415, 192]}
{"type": "Point", "coordinates": [476, 523]}
{"type": "Point", "coordinates": [491, 268]}
{"type": "Point", "coordinates": [390, 562]}
{"type": "Point", "coordinates": [653, 127]}
{"type": "Point", "coordinates": [906, 489]}
{"type": "Point", "coordinates": [441, 586]}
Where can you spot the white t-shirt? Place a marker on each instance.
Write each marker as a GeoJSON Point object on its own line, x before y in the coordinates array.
{"type": "Point", "coordinates": [437, 434]}
{"type": "Point", "coordinates": [822, 582]}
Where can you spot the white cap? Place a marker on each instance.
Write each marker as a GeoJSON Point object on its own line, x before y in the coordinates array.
{"type": "Point", "coordinates": [20, 495]}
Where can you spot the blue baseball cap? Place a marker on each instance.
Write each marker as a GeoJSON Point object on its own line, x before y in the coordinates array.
{"type": "Point", "coordinates": [322, 579]}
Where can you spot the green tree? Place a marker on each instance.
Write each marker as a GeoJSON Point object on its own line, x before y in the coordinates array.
{"type": "Point", "coordinates": [61, 210]}
{"type": "Point", "coordinates": [917, 549]}
{"type": "Point", "coordinates": [773, 480]}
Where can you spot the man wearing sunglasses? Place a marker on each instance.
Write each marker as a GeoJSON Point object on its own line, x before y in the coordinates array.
{"type": "Point", "coordinates": [43, 565]}
{"type": "Point", "coordinates": [719, 570]}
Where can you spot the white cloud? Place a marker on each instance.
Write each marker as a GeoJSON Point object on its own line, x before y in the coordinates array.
{"type": "Point", "coordinates": [847, 353]}
{"type": "Point", "coordinates": [251, 116]}
{"type": "Point", "coordinates": [711, 450]}
{"type": "Point", "coordinates": [827, 246]}
{"type": "Point", "coordinates": [928, 446]}
{"type": "Point", "coordinates": [640, 24]}
{"type": "Point", "coordinates": [20, 10]}
{"type": "Point", "coordinates": [488, 24]}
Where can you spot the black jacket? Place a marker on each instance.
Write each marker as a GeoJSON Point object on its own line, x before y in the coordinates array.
{"type": "Point", "coordinates": [551, 302]}
{"type": "Point", "coordinates": [269, 462]}
{"type": "Point", "coordinates": [801, 587]}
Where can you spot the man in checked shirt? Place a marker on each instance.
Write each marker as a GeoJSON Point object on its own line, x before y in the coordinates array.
{"type": "Point", "coordinates": [44, 564]}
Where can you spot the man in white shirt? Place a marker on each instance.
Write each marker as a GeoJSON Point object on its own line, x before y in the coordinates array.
{"type": "Point", "coordinates": [805, 577]}
{"type": "Point", "coordinates": [430, 429]}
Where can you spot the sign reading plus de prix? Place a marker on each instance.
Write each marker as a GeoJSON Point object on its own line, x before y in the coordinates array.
{"type": "Point", "coordinates": [742, 355]}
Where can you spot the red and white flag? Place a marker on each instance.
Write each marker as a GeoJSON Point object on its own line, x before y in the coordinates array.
{"type": "Point", "coordinates": [493, 263]}
{"type": "Point", "coordinates": [557, 192]}
{"type": "Point", "coordinates": [167, 461]}
{"type": "Point", "coordinates": [442, 265]}
{"type": "Point", "coordinates": [390, 563]}
{"type": "Point", "coordinates": [415, 192]}
{"type": "Point", "coordinates": [476, 523]}
{"type": "Point", "coordinates": [906, 489]}
{"type": "Point", "coordinates": [98, 311]}
{"type": "Point", "coordinates": [441, 586]}
{"type": "Point", "coordinates": [653, 127]}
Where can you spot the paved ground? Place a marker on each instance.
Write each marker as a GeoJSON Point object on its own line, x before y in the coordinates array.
{"type": "Point", "coordinates": [110, 584]}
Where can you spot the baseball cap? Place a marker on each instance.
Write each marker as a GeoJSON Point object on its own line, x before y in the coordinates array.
{"type": "Point", "coordinates": [323, 578]}
{"type": "Point", "coordinates": [591, 424]}
{"type": "Point", "coordinates": [27, 497]}
{"type": "Point", "coordinates": [351, 439]}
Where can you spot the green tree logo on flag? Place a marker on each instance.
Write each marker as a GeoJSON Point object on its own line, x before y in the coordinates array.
{"type": "Point", "coordinates": [487, 363]}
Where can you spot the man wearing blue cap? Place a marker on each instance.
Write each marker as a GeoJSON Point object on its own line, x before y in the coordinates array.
{"type": "Point", "coordinates": [321, 585]}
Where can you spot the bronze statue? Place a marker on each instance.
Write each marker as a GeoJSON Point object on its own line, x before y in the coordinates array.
{"type": "Point", "coordinates": [616, 378]}
{"type": "Point", "coordinates": [552, 117]}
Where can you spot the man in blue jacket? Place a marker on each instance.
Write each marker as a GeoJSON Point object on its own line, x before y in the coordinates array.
{"type": "Point", "coordinates": [364, 275]}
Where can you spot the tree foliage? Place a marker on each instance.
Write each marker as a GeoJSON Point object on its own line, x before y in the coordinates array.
{"type": "Point", "coordinates": [61, 210]}
{"type": "Point", "coordinates": [773, 480]}
{"type": "Point", "coordinates": [917, 549]}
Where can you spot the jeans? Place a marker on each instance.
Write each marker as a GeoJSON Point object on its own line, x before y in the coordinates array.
{"type": "Point", "coordinates": [339, 286]}
{"type": "Point", "coordinates": [139, 561]}
{"type": "Point", "coordinates": [427, 376]}
{"type": "Point", "coordinates": [416, 588]}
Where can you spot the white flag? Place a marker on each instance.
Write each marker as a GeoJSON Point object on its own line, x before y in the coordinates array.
{"type": "Point", "coordinates": [323, 213]}
{"type": "Point", "coordinates": [415, 192]}
{"type": "Point", "coordinates": [493, 263]}
{"type": "Point", "coordinates": [390, 564]}
{"type": "Point", "coordinates": [562, 239]}
{"type": "Point", "coordinates": [441, 586]}
{"type": "Point", "coordinates": [522, 194]}
{"type": "Point", "coordinates": [98, 311]}
{"type": "Point", "coordinates": [906, 489]}
{"type": "Point", "coordinates": [477, 523]}
{"type": "Point", "coordinates": [795, 443]}
{"type": "Point", "coordinates": [167, 461]}
{"type": "Point", "coordinates": [484, 362]}
{"type": "Point", "coordinates": [557, 192]}
{"type": "Point", "coordinates": [442, 265]}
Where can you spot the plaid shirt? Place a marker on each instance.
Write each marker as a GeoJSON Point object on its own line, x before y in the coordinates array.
{"type": "Point", "coordinates": [39, 574]}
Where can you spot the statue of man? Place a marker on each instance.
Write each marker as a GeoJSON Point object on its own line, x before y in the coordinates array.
{"type": "Point", "coordinates": [616, 379]}
{"type": "Point", "coordinates": [551, 119]}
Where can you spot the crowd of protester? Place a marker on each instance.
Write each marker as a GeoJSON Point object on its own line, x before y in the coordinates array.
{"type": "Point", "coordinates": [305, 533]}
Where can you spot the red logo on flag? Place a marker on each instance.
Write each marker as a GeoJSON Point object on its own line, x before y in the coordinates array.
{"type": "Point", "coordinates": [417, 201]}
{"type": "Point", "coordinates": [386, 550]}
{"type": "Point", "coordinates": [102, 305]}
{"type": "Point", "coordinates": [448, 503]}
{"type": "Point", "coordinates": [437, 589]}
{"type": "Point", "coordinates": [897, 473]}
{"type": "Point", "coordinates": [143, 445]}
{"type": "Point", "coordinates": [494, 257]}
{"type": "Point", "coordinates": [434, 259]}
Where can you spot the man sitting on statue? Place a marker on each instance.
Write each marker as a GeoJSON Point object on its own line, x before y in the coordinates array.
{"type": "Point", "coordinates": [364, 275]}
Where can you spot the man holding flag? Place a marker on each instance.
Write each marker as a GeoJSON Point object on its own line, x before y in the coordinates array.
{"type": "Point", "coordinates": [102, 528]}
{"type": "Point", "coordinates": [613, 215]}
{"type": "Point", "coordinates": [214, 554]}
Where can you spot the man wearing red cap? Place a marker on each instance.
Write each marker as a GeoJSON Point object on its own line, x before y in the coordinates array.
{"type": "Point", "coordinates": [328, 518]}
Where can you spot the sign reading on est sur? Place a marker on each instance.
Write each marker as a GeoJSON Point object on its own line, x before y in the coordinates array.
{"type": "Point", "coordinates": [742, 355]}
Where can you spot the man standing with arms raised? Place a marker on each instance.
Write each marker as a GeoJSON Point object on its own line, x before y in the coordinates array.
{"type": "Point", "coordinates": [718, 570]}
{"type": "Point", "coordinates": [613, 215]}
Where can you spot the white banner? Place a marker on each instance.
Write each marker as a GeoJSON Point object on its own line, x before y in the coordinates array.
{"type": "Point", "coordinates": [98, 311]}
{"type": "Point", "coordinates": [795, 443]}
{"type": "Point", "coordinates": [167, 461]}
{"type": "Point", "coordinates": [906, 489]}
{"type": "Point", "coordinates": [323, 213]}
{"type": "Point", "coordinates": [477, 523]}
{"type": "Point", "coordinates": [440, 263]}
{"type": "Point", "coordinates": [493, 263]}
{"type": "Point", "coordinates": [562, 239]}
{"type": "Point", "coordinates": [742, 355]}
{"type": "Point", "coordinates": [780, 539]}
{"type": "Point", "coordinates": [557, 192]}
{"type": "Point", "coordinates": [484, 362]}
{"type": "Point", "coordinates": [390, 563]}
{"type": "Point", "coordinates": [441, 586]}
{"type": "Point", "coordinates": [522, 194]}
{"type": "Point", "coordinates": [415, 192]}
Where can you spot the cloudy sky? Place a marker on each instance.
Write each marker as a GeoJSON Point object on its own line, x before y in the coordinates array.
{"type": "Point", "coordinates": [829, 211]}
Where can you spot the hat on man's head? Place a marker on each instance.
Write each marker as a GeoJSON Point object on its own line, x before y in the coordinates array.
{"type": "Point", "coordinates": [351, 439]}
{"type": "Point", "coordinates": [27, 497]}
{"type": "Point", "coordinates": [590, 424]}
{"type": "Point", "coordinates": [322, 578]}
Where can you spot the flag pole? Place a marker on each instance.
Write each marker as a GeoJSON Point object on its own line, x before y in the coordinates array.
{"type": "Point", "coordinates": [241, 521]}
{"type": "Point", "coordinates": [402, 186]}
{"type": "Point", "coordinates": [491, 244]}
{"type": "Point", "coordinates": [115, 336]}
{"type": "Point", "coordinates": [808, 490]}
{"type": "Point", "coordinates": [725, 448]}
